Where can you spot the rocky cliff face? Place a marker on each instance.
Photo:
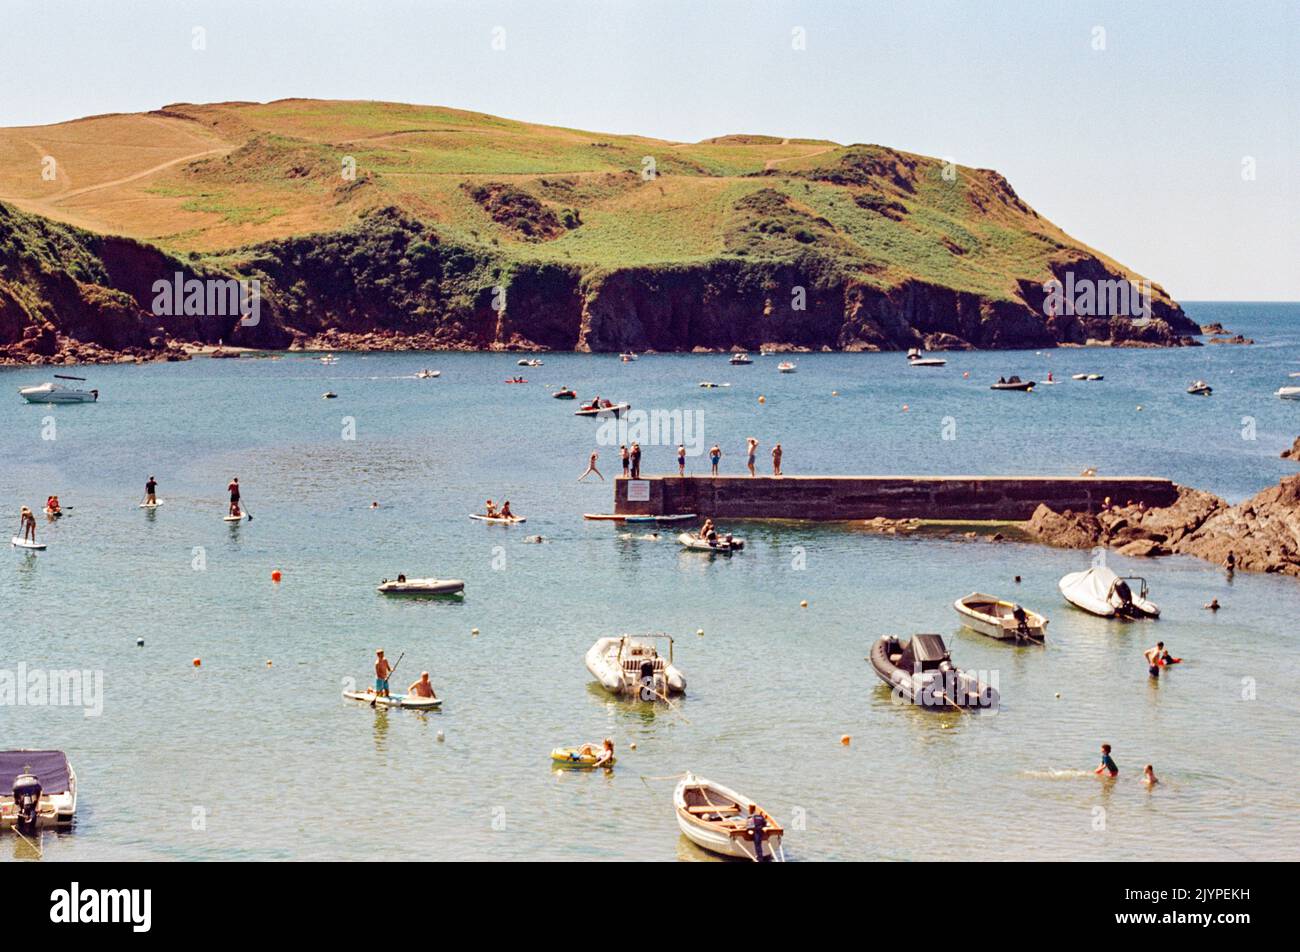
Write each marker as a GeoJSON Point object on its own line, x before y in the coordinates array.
{"type": "Point", "coordinates": [392, 282]}
{"type": "Point", "coordinates": [1262, 534]}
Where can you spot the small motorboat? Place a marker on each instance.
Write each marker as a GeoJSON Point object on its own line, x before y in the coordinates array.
{"type": "Point", "coordinates": [38, 790]}
{"type": "Point", "coordinates": [604, 408]}
{"type": "Point", "coordinates": [565, 394]}
{"type": "Point", "coordinates": [528, 362]}
{"type": "Point", "coordinates": [516, 380]}
{"type": "Point", "coordinates": [1095, 377]}
{"type": "Point", "coordinates": [786, 367]}
{"type": "Point", "coordinates": [1100, 591]}
{"type": "Point", "coordinates": [575, 757]}
{"type": "Point", "coordinates": [329, 395]}
{"type": "Point", "coordinates": [58, 392]}
{"type": "Point", "coordinates": [409, 701]}
{"type": "Point", "coordinates": [710, 385]}
{"type": "Point", "coordinates": [739, 358]}
{"type": "Point", "coordinates": [1288, 393]}
{"type": "Point", "coordinates": [1078, 376]}
{"type": "Point", "coordinates": [725, 544]}
{"type": "Point", "coordinates": [1001, 619]}
{"type": "Point", "coordinates": [633, 667]}
{"type": "Point", "coordinates": [1012, 383]}
{"type": "Point", "coordinates": [921, 672]}
{"type": "Point", "coordinates": [422, 586]}
{"type": "Point", "coordinates": [716, 819]}
{"type": "Point", "coordinates": [428, 374]}
{"type": "Point", "coordinates": [1200, 388]}
{"type": "Point", "coordinates": [916, 359]}
{"type": "Point", "coordinates": [627, 358]}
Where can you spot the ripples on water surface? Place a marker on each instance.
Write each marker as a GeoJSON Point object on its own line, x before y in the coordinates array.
{"type": "Point", "coordinates": [284, 768]}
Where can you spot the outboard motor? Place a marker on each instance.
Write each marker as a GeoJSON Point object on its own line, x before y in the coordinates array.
{"type": "Point", "coordinates": [27, 798]}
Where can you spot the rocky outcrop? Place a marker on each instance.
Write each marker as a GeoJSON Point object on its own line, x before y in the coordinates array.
{"type": "Point", "coordinates": [1294, 452]}
{"type": "Point", "coordinates": [1261, 534]}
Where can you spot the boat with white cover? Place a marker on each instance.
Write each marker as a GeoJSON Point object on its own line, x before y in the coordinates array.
{"type": "Point", "coordinates": [632, 666]}
{"type": "Point", "coordinates": [422, 586]}
{"type": "Point", "coordinates": [1100, 591]}
{"type": "Point", "coordinates": [1288, 393]}
{"type": "Point", "coordinates": [38, 789]}
{"type": "Point", "coordinates": [716, 818]}
{"type": "Point", "coordinates": [1001, 619]}
{"type": "Point", "coordinates": [58, 393]}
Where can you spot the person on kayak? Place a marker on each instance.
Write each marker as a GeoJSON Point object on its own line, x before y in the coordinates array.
{"type": "Point", "coordinates": [422, 687]}
{"type": "Point", "coordinates": [150, 491]}
{"type": "Point", "coordinates": [1107, 765]}
{"type": "Point", "coordinates": [233, 489]}
{"type": "Point", "coordinates": [27, 525]}
{"type": "Point", "coordinates": [382, 670]}
{"type": "Point", "coordinates": [52, 506]}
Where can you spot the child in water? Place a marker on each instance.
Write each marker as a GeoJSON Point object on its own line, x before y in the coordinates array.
{"type": "Point", "coordinates": [1149, 776]}
{"type": "Point", "coordinates": [1107, 764]}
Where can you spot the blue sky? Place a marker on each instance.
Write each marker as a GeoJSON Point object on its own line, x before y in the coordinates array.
{"type": "Point", "coordinates": [1136, 148]}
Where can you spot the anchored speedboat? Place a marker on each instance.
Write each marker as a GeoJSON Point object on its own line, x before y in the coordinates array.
{"type": "Point", "coordinates": [58, 392]}
{"type": "Point", "coordinates": [38, 789]}
{"type": "Point", "coordinates": [1100, 591]}
{"type": "Point", "coordinates": [921, 672]}
{"type": "Point", "coordinates": [631, 666]}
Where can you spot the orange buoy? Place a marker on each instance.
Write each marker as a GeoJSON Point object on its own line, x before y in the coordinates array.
{"type": "Point", "coordinates": [762, 399]}
{"type": "Point", "coordinates": [965, 373]}
{"type": "Point", "coordinates": [845, 739]}
{"type": "Point", "coordinates": [197, 662]}
{"type": "Point", "coordinates": [906, 408]}
{"type": "Point", "coordinates": [804, 603]}
{"type": "Point", "coordinates": [275, 576]}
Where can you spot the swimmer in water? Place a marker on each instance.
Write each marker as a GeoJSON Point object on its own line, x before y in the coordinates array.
{"type": "Point", "coordinates": [1149, 776]}
{"type": "Point", "coordinates": [1107, 764]}
{"type": "Point", "coordinates": [1212, 605]}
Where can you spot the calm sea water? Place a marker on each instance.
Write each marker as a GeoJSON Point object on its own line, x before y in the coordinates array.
{"type": "Point", "coordinates": [239, 759]}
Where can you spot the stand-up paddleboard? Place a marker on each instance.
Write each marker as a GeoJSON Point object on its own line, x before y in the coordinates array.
{"type": "Point", "coordinates": [409, 701]}
{"type": "Point", "coordinates": [616, 517]}
{"type": "Point", "coordinates": [52, 514]}
{"type": "Point", "coordinates": [496, 520]}
{"type": "Point", "coordinates": [152, 505]}
{"type": "Point", "coordinates": [24, 544]}
{"type": "Point", "coordinates": [238, 518]}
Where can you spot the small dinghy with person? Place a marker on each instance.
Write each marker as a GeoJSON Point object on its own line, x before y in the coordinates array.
{"type": "Point", "coordinates": [921, 672]}
{"type": "Point", "coordinates": [38, 790]}
{"type": "Point", "coordinates": [718, 819]}
{"type": "Point", "coordinates": [1200, 388]}
{"type": "Point", "coordinates": [726, 544]}
{"type": "Point", "coordinates": [740, 359]}
{"type": "Point", "coordinates": [421, 586]}
{"type": "Point", "coordinates": [1012, 383]}
{"type": "Point", "coordinates": [632, 666]}
{"type": "Point", "coordinates": [1100, 591]}
{"type": "Point", "coordinates": [1001, 619]}
{"type": "Point", "coordinates": [602, 409]}
{"type": "Point", "coordinates": [579, 757]}
{"type": "Point", "coordinates": [786, 367]}
{"type": "Point", "coordinates": [58, 393]}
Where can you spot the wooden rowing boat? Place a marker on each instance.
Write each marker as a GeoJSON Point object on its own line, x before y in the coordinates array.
{"type": "Point", "coordinates": [716, 818]}
{"type": "Point", "coordinates": [998, 618]}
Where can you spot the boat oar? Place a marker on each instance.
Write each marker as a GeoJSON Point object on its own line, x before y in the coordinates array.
{"type": "Point", "coordinates": [391, 672]}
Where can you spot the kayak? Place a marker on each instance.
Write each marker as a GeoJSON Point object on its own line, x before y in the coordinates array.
{"type": "Point", "coordinates": [24, 544]}
{"type": "Point", "coordinates": [422, 586]}
{"type": "Point", "coordinates": [569, 757]}
{"type": "Point", "coordinates": [615, 517]}
{"type": "Point", "coordinates": [409, 701]}
{"type": "Point", "coordinates": [497, 520]}
{"type": "Point", "coordinates": [152, 505]}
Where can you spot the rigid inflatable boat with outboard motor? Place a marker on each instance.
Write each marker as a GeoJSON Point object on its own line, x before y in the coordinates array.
{"type": "Point", "coordinates": [921, 672]}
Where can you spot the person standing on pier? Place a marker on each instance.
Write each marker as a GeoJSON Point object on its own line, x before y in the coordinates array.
{"type": "Point", "coordinates": [636, 460]}
{"type": "Point", "coordinates": [681, 460]}
{"type": "Point", "coordinates": [715, 456]}
{"type": "Point", "coordinates": [622, 452]}
{"type": "Point", "coordinates": [751, 446]}
{"type": "Point", "coordinates": [776, 460]}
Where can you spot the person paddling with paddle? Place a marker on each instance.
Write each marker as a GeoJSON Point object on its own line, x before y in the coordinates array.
{"type": "Point", "coordinates": [382, 670]}
{"type": "Point", "coordinates": [150, 492]}
{"type": "Point", "coordinates": [233, 489]}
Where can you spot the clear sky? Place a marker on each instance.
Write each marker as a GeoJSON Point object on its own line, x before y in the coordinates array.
{"type": "Point", "coordinates": [1136, 147]}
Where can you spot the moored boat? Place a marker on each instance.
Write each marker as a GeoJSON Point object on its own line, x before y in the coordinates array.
{"type": "Point", "coordinates": [1288, 393]}
{"type": "Point", "coordinates": [717, 819]}
{"type": "Point", "coordinates": [604, 408]}
{"type": "Point", "coordinates": [921, 672]}
{"type": "Point", "coordinates": [916, 359]}
{"type": "Point", "coordinates": [1012, 383]}
{"type": "Point", "coordinates": [565, 394]}
{"type": "Point", "coordinates": [627, 358]}
{"type": "Point", "coordinates": [1200, 388]}
{"type": "Point", "coordinates": [998, 618]}
{"type": "Point", "coordinates": [422, 586]}
{"type": "Point", "coordinates": [38, 789]}
{"type": "Point", "coordinates": [786, 367]}
{"type": "Point", "coordinates": [1100, 591]}
{"type": "Point", "coordinates": [632, 666]}
{"type": "Point", "coordinates": [726, 544]}
{"type": "Point", "coordinates": [739, 358]}
{"type": "Point", "coordinates": [58, 393]}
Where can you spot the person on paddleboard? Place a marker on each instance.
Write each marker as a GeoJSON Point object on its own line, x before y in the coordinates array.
{"type": "Point", "coordinates": [150, 492]}
{"type": "Point", "coordinates": [233, 488]}
{"type": "Point", "coordinates": [27, 525]}
{"type": "Point", "coordinates": [505, 512]}
{"type": "Point", "coordinates": [490, 509]}
{"type": "Point", "coordinates": [422, 687]}
{"type": "Point", "coordinates": [382, 670]}
{"type": "Point", "coordinates": [1107, 764]}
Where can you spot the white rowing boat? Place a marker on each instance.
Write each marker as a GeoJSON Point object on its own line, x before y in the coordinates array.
{"type": "Point", "coordinates": [717, 818]}
{"type": "Point", "coordinates": [408, 701]}
{"type": "Point", "coordinates": [631, 666]}
{"type": "Point", "coordinates": [1000, 619]}
{"type": "Point", "coordinates": [1101, 592]}
{"type": "Point", "coordinates": [422, 586]}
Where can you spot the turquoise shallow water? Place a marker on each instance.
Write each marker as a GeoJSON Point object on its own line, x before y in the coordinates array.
{"type": "Point", "coordinates": [275, 765]}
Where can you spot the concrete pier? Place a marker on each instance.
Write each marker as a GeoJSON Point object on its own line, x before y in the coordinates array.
{"type": "Point", "coordinates": [974, 498]}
